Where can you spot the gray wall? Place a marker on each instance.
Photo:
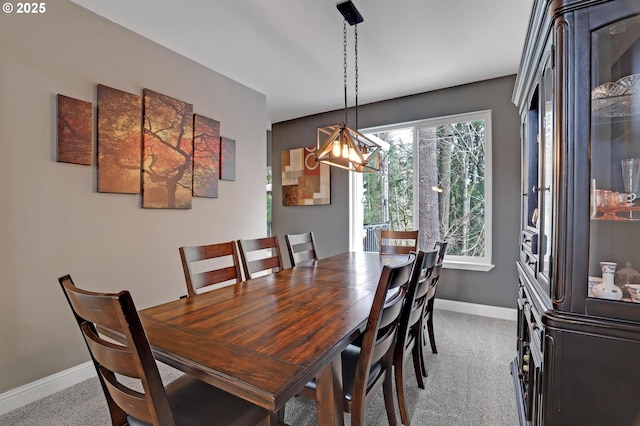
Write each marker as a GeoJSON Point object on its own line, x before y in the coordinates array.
{"type": "Point", "coordinates": [53, 222]}
{"type": "Point", "coordinates": [330, 223]}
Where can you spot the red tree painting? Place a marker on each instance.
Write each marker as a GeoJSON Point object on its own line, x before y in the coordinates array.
{"type": "Point", "coordinates": [167, 152]}
{"type": "Point", "coordinates": [119, 141]}
{"type": "Point", "coordinates": [75, 130]}
{"type": "Point", "coordinates": [206, 156]}
{"type": "Point", "coordinates": [227, 159]}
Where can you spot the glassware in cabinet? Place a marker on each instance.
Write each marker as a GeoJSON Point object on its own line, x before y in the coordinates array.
{"type": "Point", "coordinates": [615, 156]}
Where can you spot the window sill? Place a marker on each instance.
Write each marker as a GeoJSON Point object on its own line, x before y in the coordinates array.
{"type": "Point", "coordinates": [467, 266]}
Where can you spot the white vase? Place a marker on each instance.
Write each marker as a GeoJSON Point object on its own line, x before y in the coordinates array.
{"type": "Point", "coordinates": [608, 289]}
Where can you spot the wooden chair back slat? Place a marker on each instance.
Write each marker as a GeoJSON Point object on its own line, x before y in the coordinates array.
{"type": "Point", "coordinates": [96, 310]}
{"type": "Point", "coordinates": [398, 242]}
{"type": "Point", "coordinates": [263, 264]}
{"type": "Point", "coordinates": [204, 279]}
{"type": "Point", "coordinates": [268, 250]}
{"type": "Point", "coordinates": [220, 252]}
{"type": "Point", "coordinates": [136, 403]}
{"type": "Point", "coordinates": [114, 357]}
{"type": "Point", "coordinates": [259, 243]}
{"type": "Point", "coordinates": [301, 247]}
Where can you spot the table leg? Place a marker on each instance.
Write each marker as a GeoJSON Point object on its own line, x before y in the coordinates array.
{"type": "Point", "coordinates": [329, 394]}
{"type": "Point", "coordinates": [276, 419]}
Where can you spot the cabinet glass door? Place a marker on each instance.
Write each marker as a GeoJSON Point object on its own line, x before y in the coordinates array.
{"type": "Point", "coordinates": [547, 165]}
{"type": "Point", "coordinates": [614, 251]}
{"type": "Point", "coordinates": [530, 169]}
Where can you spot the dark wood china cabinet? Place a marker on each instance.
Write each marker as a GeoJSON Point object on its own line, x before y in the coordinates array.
{"type": "Point", "coordinates": [578, 92]}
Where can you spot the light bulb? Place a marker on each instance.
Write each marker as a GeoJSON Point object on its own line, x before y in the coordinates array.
{"type": "Point", "coordinates": [336, 149]}
{"type": "Point", "coordinates": [345, 151]}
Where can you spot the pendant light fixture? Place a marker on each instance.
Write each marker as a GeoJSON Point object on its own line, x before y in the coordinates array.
{"type": "Point", "coordinates": [338, 145]}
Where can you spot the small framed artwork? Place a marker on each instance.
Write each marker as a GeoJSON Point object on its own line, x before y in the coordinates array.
{"type": "Point", "coordinates": [75, 130]}
{"type": "Point", "coordinates": [227, 159]}
{"type": "Point", "coordinates": [305, 182]}
{"type": "Point", "coordinates": [206, 156]}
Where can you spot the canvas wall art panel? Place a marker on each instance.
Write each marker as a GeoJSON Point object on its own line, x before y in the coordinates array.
{"type": "Point", "coordinates": [227, 159]}
{"type": "Point", "coordinates": [75, 131]}
{"type": "Point", "coordinates": [206, 156]}
{"type": "Point", "coordinates": [305, 182]}
{"type": "Point", "coordinates": [167, 162]}
{"type": "Point", "coordinates": [119, 141]}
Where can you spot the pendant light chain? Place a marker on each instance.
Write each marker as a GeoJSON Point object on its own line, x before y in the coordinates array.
{"type": "Point", "coordinates": [356, 76]}
{"type": "Point", "coordinates": [344, 46]}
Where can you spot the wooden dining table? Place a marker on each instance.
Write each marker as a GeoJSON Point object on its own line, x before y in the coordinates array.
{"type": "Point", "coordinates": [264, 339]}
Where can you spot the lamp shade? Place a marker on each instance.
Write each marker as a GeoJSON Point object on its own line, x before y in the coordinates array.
{"type": "Point", "coordinates": [349, 149]}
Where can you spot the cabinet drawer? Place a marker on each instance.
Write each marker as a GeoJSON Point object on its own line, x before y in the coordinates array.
{"type": "Point", "coordinates": [530, 241]}
{"type": "Point", "coordinates": [529, 261]}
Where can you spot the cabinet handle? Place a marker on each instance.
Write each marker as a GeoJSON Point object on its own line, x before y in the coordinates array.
{"type": "Point", "coordinates": [535, 189]}
{"type": "Point", "coordinates": [525, 368]}
{"type": "Point", "coordinates": [527, 240]}
{"type": "Point", "coordinates": [525, 358]}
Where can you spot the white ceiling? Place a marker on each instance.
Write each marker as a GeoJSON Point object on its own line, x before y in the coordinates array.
{"type": "Point", "coordinates": [291, 50]}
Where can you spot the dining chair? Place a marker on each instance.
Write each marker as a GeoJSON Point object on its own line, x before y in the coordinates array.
{"type": "Point", "coordinates": [129, 375]}
{"type": "Point", "coordinates": [398, 242]}
{"type": "Point", "coordinates": [261, 254]}
{"type": "Point", "coordinates": [211, 264]}
{"type": "Point", "coordinates": [301, 247]}
{"type": "Point", "coordinates": [408, 342]}
{"type": "Point", "coordinates": [427, 320]}
{"type": "Point", "coordinates": [441, 246]}
{"type": "Point", "coordinates": [369, 366]}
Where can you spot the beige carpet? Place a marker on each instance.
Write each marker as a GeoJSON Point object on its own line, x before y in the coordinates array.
{"type": "Point", "coordinates": [469, 384]}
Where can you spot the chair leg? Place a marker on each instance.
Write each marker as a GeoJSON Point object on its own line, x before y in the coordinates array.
{"type": "Point", "coordinates": [356, 406]}
{"type": "Point", "coordinates": [387, 388]}
{"type": "Point", "coordinates": [422, 347]}
{"type": "Point", "coordinates": [416, 354]}
{"type": "Point", "coordinates": [432, 339]}
{"type": "Point", "coordinates": [399, 373]}
{"type": "Point", "coordinates": [357, 415]}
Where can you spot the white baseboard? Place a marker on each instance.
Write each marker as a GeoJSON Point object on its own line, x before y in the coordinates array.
{"type": "Point", "coordinates": [23, 395]}
{"type": "Point", "coordinates": [475, 309]}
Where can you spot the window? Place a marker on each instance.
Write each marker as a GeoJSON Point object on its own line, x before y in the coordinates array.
{"type": "Point", "coordinates": [436, 178]}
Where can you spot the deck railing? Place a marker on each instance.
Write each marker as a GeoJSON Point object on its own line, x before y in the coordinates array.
{"type": "Point", "coordinates": [372, 236]}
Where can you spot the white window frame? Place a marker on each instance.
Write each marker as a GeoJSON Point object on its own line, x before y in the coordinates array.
{"type": "Point", "coordinates": [453, 262]}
